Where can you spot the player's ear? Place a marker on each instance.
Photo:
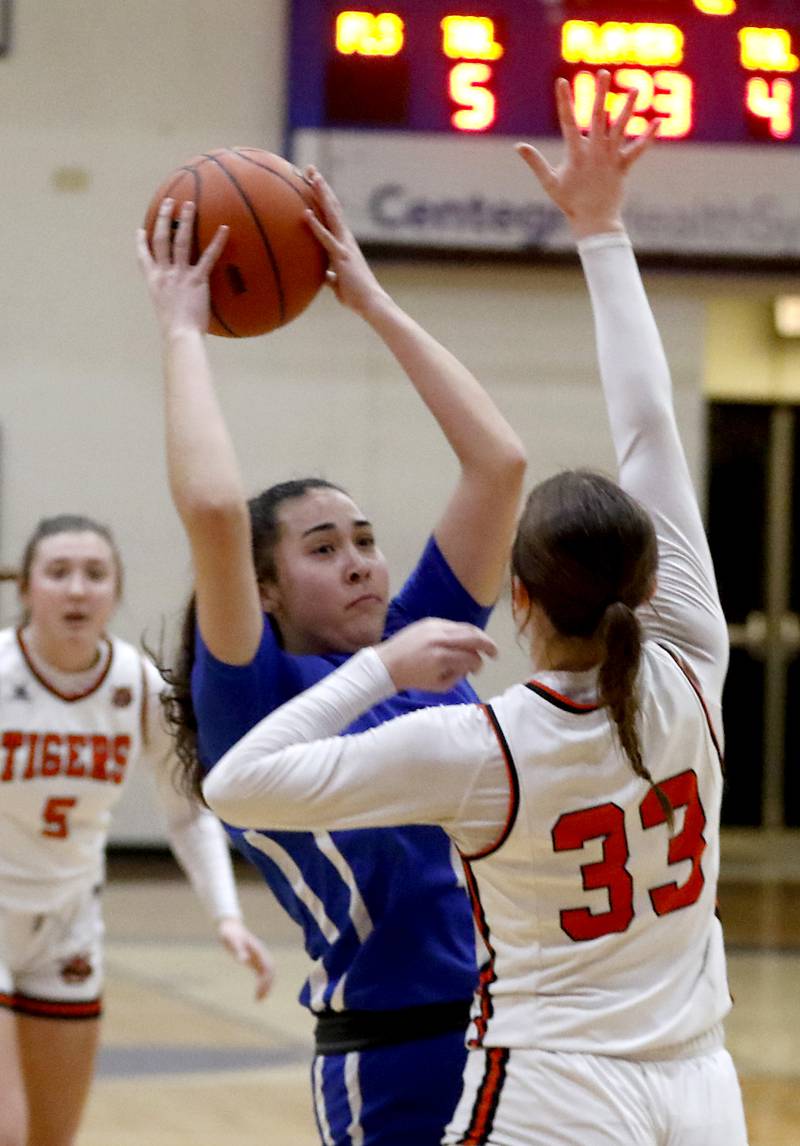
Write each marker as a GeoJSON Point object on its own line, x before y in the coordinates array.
{"type": "Point", "coordinates": [519, 594]}
{"type": "Point", "coordinates": [520, 602]}
{"type": "Point", "coordinates": [270, 596]}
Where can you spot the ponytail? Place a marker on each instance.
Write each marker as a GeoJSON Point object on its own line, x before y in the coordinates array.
{"type": "Point", "coordinates": [621, 633]}
{"type": "Point", "coordinates": [586, 552]}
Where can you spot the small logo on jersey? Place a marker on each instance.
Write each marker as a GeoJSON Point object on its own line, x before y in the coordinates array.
{"type": "Point", "coordinates": [20, 692]}
{"type": "Point", "coordinates": [121, 697]}
{"type": "Point", "coordinates": [76, 970]}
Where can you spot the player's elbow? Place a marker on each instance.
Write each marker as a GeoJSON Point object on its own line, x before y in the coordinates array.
{"type": "Point", "coordinates": [208, 511]}
{"type": "Point", "coordinates": [225, 804]}
{"type": "Point", "coordinates": [506, 468]}
{"type": "Point", "coordinates": [514, 460]}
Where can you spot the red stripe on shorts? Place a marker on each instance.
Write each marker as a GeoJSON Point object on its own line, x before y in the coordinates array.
{"type": "Point", "coordinates": [487, 1098]}
{"type": "Point", "coordinates": [55, 1009]}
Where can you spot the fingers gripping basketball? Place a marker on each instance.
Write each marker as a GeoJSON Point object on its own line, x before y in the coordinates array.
{"type": "Point", "coordinates": [272, 265]}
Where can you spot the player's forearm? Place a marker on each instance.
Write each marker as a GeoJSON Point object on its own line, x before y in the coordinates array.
{"type": "Point", "coordinates": [477, 432]}
{"type": "Point", "coordinates": [266, 780]}
{"type": "Point", "coordinates": [202, 467]}
{"type": "Point", "coordinates": [633, 366]}
{"type": "Point", "coordinates": [652, 463]}
{"type": "Point", "coordinates": [199, 844]}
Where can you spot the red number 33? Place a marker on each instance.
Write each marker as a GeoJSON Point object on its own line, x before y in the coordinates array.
{"type": "Point", "coordinates": [607, 822]}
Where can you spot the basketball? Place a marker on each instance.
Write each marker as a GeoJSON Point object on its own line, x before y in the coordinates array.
{"type": "Point", "coordinates": [271, 266]}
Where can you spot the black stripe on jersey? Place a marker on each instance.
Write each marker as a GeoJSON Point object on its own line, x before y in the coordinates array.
{"type": "Point", "coordinates": [691, 676]}
{"type": "Point", "coordinates": [513, 784]}
{"type": "Point", "coordinates": [481, 1122]}
{"type": "Point", "coordinates": [487, 974]}
{"type": "Point", "coordinates": [562, 702]}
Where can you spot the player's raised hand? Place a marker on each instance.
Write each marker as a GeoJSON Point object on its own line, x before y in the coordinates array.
{"type": "Point", "coordinates": [589, 183]}
{"type": "Point", "coordinates": [349, 274]}
{"type": "Point", "coordinates": [434, 654]}
{"type": "Point", "coordinates": [178, 288]}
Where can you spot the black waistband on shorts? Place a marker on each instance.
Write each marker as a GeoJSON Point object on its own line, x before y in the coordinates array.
{"type": "Point", "coordinates": [340, 1032]}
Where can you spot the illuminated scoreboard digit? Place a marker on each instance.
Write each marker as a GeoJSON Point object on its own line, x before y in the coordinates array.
{"type": "Point", "coordinates": [381, 95]}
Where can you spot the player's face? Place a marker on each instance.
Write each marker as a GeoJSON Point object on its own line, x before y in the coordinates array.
{"type": "Point", "coordinates": [72, 587]}
{"type": "Point", "coordinates": [332, 587]}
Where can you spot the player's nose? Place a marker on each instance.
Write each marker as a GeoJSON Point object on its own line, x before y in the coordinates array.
{"type": "Point", "coordinates": [358, 565]}
{"type": "Point", "coordinates": [76, 584]}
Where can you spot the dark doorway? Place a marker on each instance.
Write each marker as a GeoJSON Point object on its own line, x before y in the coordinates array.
{"type": "Point", "coordinates": [751, 516]}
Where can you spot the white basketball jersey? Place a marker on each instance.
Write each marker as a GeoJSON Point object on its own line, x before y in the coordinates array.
{"type": "Point", "coordinates": [600, 925]}
{"type": "Point", "coordinates": [63, 765]}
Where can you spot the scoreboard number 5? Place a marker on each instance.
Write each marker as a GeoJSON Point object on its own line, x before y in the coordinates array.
{"type": "Point", "coordinates": [476, 102]}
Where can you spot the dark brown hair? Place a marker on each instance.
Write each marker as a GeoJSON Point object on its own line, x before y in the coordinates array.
{"type": "Point", "coordinates": [181, 718]}
{"type": "Point", "coordinates": [586, 553]}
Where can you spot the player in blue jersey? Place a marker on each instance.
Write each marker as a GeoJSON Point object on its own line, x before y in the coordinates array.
{"type": "Point", "coordinates": [286, 588]}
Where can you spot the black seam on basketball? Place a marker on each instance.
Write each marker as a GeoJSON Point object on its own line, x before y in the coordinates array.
{"type": "Point", "coordinates": [265, 238]}
{"type": "Point", "coordinates": [178, 176]}
{"type": "Point", "coordinates": [198, 185]}
{"type": "Point", "coordinates": [272, 171]}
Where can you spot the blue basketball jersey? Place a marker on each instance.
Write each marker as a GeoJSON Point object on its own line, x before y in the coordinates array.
{"type": "Point", "coordinates": [384, 914]}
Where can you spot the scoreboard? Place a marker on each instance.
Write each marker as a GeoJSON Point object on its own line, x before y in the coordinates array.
{"type": "Point", "coordinates": [411, 110]}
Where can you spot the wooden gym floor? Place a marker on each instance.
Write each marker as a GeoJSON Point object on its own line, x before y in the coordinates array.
{"type": "Point", "coordinates": [188, 1057]}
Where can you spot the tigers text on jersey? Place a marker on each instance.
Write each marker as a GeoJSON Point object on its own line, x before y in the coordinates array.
{"type": "Point", "coordinates": [600, 921]}
{"type": "Point", "coordinates": [63, 765]}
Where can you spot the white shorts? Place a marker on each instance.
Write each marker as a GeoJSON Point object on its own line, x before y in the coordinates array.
{"type": "Point", "coordinates": [51, 964]}
{"type": "Point", "coordinates": [542, 1098]}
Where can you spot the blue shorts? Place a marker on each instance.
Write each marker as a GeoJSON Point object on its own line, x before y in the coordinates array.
{"type": "Point", "coordinates": [391, 1095]}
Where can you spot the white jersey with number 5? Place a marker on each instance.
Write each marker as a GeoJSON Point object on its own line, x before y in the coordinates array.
{"type": "Point", "coordinates": [64, 763]}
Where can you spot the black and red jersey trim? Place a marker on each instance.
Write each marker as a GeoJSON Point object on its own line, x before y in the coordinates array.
{"type": "Point", "coordinates": [52, 1008]}
{"type": "Point", "coordinates": [691, 677]}
{"type": "Point", "coordinates": [556, 698]}
{"type": "Point", "coordinates": [487, 973]}
{"type": "Point", "coordinates": [513, 787]}
{"type": "Point", "coordinates": [484, 1109]}
{"type": "Point", "coordinates": [45, 683]}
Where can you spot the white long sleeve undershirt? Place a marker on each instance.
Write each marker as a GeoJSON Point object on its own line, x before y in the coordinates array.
{"type": "Point", "coordinates": [685, 611]}
{"type": "Point", "coordinates": [421, 768]}
{"type": "Point", "coordinates": [195, 835]}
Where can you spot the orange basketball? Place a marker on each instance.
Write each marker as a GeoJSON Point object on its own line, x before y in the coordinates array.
{"type": "Point", "coordinates": [271, 266]}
